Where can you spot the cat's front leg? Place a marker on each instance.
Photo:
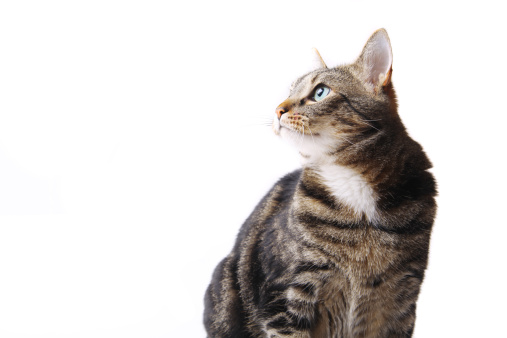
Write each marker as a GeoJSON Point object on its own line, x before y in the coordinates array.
{"type": "Point", "coordinates": [284, 326]}
{"type": "Point", "coordinates": [291, 313]}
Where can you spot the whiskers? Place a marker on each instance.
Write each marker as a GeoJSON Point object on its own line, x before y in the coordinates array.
{"type": "Point", "coordinates": [256, 121]}
{"type": "Point", "coordinates": [346, 139]}
{"type": "Point", "coordinates": [313, 139]}
{"type": "Point", "coordinates": [369, 124]}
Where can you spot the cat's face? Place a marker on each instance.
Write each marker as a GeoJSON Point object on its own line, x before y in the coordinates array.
{"type": "Point", "coordinates": [316, 117]}
{"type": "Point", "coordinates": [330, 108]}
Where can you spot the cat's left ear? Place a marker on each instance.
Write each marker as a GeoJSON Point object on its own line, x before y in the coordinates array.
{"type": "Point", "coordinates": [318, 61]}
{"type": "Point", "coordinates": [375, 61]}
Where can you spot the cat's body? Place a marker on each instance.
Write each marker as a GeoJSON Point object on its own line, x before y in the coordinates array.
{"type": "Point", "coordinates": [339, 248]}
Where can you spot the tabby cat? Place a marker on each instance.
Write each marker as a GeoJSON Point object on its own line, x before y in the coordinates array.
{"type": "Point", "coordinates": [339, 247]}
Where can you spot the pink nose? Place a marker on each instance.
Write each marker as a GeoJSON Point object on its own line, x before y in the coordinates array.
{"type": "Point", "coordinates": [280, 111]}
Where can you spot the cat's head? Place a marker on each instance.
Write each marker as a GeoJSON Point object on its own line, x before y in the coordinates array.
{"type": "Point", "coordinates": [330, 109]}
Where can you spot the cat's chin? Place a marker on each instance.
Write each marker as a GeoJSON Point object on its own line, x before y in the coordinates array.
{"type": "Point", "coordinates": [287, 133]}
{"type": "Point", "coordinates": [312, 148]}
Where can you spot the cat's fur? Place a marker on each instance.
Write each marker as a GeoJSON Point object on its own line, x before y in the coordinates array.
{"type": "Point", "coordinates": [338, 248]}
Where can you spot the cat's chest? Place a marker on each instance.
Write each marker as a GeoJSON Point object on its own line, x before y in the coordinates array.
{"type": "Point", "coordinates": [359, 276]}
{"type": "Point", "coordinates": [349, 188]}
{"type": "Point", "coordinates": [371, 256]}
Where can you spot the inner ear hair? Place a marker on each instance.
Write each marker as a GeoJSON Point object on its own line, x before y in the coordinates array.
{"type": "Point", "coordinates": [376, 60]}
{"type": "Point", "coordinates": [387, 77]}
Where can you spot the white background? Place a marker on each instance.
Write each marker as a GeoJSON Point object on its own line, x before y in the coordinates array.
{"type": "Point", "coordinates": [134, 141]}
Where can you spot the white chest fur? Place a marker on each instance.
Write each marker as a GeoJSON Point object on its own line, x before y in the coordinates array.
{"type": "Point", "coordinates": [350, 188]}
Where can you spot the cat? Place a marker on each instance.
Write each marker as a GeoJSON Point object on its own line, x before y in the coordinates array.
{"type": "Point", "coordinates": [338, 248]}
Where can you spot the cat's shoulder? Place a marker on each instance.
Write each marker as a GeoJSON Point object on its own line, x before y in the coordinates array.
{"type": "Point", "coordinates": [279, 195]}
{"type": "Point", "coordinates": [284, 188]}
{"type": "Point", "coordinates": [291, 179]}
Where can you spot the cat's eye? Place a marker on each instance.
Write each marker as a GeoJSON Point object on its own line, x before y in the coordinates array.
{"type": "Point", "coordinates": [320, 93]}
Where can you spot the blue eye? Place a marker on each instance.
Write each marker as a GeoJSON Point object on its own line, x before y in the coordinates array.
{"type": "Point", "coordinates": [320, 93]}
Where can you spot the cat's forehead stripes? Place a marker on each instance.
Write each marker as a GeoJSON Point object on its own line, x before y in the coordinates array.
{"type": "Point", "coordinates": [304, 84]}
{"type": "Point", "coordinates": [297, 82]}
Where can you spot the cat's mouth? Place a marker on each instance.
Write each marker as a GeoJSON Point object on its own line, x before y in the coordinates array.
{"type": "Point", "coordinates": [279, 128]}
{"type": "Point", "coordinates": [293, 122]}
{"type": "Point", "coordinates": [296, 131]}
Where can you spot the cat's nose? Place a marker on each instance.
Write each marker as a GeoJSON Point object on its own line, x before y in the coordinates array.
{"type": "Point", "coordinates": [280, 111]}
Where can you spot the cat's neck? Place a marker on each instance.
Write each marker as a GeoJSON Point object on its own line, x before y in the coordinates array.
{"type": "Point", "coordinates": [369, 180]}
{"type": "Point", "coordinates": [347, 185]}
{"type": "Point", "coordinates": [351, 174]}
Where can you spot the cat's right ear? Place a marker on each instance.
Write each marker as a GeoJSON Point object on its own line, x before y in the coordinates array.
{"type": "Point", "coordinates": [375, 61]}
{"type": "Point", "coordinates": [318, 62]}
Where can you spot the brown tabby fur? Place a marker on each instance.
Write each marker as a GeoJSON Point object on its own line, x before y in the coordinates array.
{"type": "Point", "coordinates": [307, 263]}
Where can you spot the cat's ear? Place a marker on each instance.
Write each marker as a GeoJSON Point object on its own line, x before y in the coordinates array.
{"type": "Point", "coordinates": [318, 62]}
{"type": "Point", "coordinates": [375, 61]}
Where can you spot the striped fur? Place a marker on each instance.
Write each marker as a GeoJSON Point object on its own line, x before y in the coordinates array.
{"type": "Point", "coordinates": [339, 247]}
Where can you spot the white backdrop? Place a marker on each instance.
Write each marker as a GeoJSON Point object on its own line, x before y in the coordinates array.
{"type": "Point", "coordinates": [134, 141]}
